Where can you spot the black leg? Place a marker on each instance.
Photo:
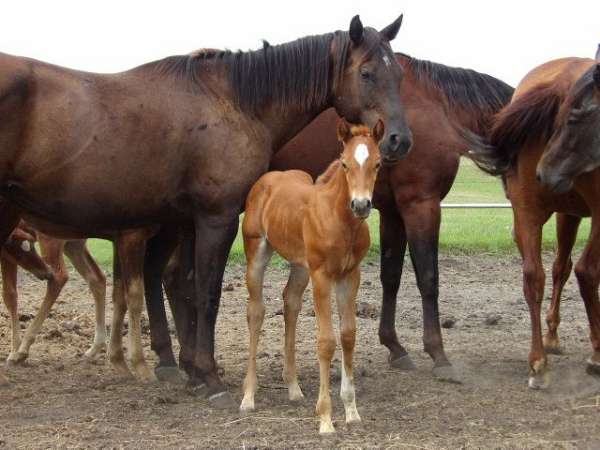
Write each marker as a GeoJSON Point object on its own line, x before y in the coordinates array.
{"type": "Point", "coordinates": [393, 247]}
{"type": "Point", "coordinates": [214, 237]}
{"type": "Point", "coordinates": [158, 252]}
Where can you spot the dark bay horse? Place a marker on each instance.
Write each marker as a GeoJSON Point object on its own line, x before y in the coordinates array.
{"type": "Point", "coordinates": [572, 161]}
{"type": "Point", "coordinates": [517, 141]}
{"type": "Point", "coordinates": [438, 100]}
{"type": "Point", "coordinates": [179, 139]}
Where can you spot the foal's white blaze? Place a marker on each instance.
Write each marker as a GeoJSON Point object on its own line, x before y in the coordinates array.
{"type": "Point", "coordinates": [361, 153]}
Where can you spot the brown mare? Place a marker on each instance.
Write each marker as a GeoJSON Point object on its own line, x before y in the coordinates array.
{"type": "Point", "coordinates": [177, 140]}
{"type": "Point", "coordinates": [518, 139]}
{"type": "Point", "coordinates": [437, 100]}
{"type": "Point", "coordinates": [571, 161]}
{"type": "Point", "coordinates": [320, 230]}
{"type": "Point", "coordinates": [52, 253]}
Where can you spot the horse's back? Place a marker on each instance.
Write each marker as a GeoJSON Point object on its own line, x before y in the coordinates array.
{"type": "Point", "coordinates": [562, 71]}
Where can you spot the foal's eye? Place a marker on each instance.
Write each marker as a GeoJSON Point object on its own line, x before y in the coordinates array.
{"type": "Point", "coordinates": [377, 166]}
{"type": "Point", "coordinates": [344, 165]}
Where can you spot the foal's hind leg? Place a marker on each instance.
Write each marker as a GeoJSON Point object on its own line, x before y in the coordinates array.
{"type": "Point", "coordinates": [11, 300]}
{"type": "Point", "coordinates": [115, 347]}
{"type": "Point", "coordinates": [52, 252]}
{"type": "Point", "coordinates": [566, 233]}
{"type": "Point", "coordinates": [258, 253]}
{"type": "Point", "coordinates": [85, 264]}
{"type": "Point", "coordinates": [346, 291]}
{"type": "Point", "coordinates": [131, 251]}
{"type": "Point", "coordinates": [292, 304]}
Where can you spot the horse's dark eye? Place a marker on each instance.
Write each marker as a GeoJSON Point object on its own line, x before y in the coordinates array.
{"type": "Point", "coordinates": [365, 74]}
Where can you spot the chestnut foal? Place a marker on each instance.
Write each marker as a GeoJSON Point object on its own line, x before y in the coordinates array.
{"type": "Point", "coordinates": [321, 230]}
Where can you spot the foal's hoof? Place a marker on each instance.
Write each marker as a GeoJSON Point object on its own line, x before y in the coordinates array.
{"type": "Point", "coordinates": [16, 359]}
{"type": "Point", "coordinates": [169, 374]}
{"type": "Point", "coordinates": [593, 368]}
{"type": "Point", "coordinates": [554, 350]}
{"type": "Point", "coordinates": [402, 363]}
{"type": "Point", "coordinates": [94, 351]}
{"type": "Point", "coordinates": [222, 400]}
{"type": "Point", "coordinates": [446, 374]}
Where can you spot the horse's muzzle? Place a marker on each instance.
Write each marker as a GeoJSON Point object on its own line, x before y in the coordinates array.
{"type": "Point", "coordinates": [396, 146]}
{"type": "Point", "coordinates": [557, 184]}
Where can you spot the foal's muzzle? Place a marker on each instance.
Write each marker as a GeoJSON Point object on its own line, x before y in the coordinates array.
{"type": "Point", "coordinates": [361, 207]}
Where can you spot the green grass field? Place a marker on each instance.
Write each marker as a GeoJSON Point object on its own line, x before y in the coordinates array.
{"type": "Point", "coordinates": [463, 230]}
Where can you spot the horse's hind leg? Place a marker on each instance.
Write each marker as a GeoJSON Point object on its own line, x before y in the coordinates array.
{"type": "Point", "coordinates": [85, 264]}
{"type": "Point", "coordinates": [52, 252]}
{"type": "Point", "coordinates": [346, 291]}
{"type": "Point", "coordinates": [587, 271]}
{"type": "Point", "coordinates": [258, 253]}
{"type": "Point", "coordinates": [393, 247]}
{"type": "Point", "coordinates": [528, 234]}
{"type": "Point", "coordinates": [131, 251]}
{"type": "Point", "coordinates": [566, 233]}
{"type": "Point", "coordinates": [292, 304]}
{"type": "Point", "coordinates": [10, 296]}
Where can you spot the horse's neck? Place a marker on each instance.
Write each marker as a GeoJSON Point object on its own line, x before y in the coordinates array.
{"type": "Point", "coordinates": [283, 125]}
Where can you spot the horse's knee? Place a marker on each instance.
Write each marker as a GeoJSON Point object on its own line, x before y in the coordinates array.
{"type": "Point", "coordinates": [326, 345]}
{"type": "Point", "coordinates": [533, 277]}
{"type": "Point", "coordinates": [348, 337]}
{"type": "Point", "coordinates": [428, 284]}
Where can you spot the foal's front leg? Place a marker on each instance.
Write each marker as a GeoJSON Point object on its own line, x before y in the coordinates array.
{"type": "Point", "coordinates": [346, 291]}
{"type": "Point", "coordinates": [322, 285]}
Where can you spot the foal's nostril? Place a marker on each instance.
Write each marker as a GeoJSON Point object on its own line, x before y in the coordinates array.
{"type": "Point", "coordinates": [352, 204]}
{"type": "Point", "coordinates": [368, 205]}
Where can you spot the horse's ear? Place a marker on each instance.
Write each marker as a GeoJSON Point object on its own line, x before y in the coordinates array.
{"type": "Point", "coordinates": [597, 76]}
{"type": "Point", "coordinates": [356, 30]}
{"type": "Point", "coordinates": [343, 130]}
{"type": "Point", "coordinates": [598, 54]}
{"type": "Point", "coordinates": [390, 32]}
{"type": "Point", "coordinates": [378, 131]}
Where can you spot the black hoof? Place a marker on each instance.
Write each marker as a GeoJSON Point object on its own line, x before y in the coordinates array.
{"type": "Point", "coordinates": [169, 374]}
{"type": "Point", "coordinates": [402, 363]}
{"type": "Point", "coordinates": [222, 400]}
{"type": "Point", "coordinates": [446, 374]}
{"type": "Point", "coordinates": [593, 368]}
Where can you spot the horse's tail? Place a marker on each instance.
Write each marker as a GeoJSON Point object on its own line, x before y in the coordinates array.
{"type": "Point", "coordinates": [528, 118]}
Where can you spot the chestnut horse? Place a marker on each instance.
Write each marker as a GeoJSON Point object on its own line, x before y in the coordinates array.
{"type": "Point", "coordinates": [52, 253]}
{"type": "Point", "coordinates": [571, 161]}
{"type": "Point", "coordinates": [438, 100]}
{"type": "Point", "coordinates": [517, 141]}
{"type": "Point", "coordinates": [320, 230]}
{"type": "Point", "coordinates": [177, 140]}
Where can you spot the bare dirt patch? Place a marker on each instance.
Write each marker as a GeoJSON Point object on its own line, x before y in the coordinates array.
{"type": "Point", "coordinates": [60, 400]}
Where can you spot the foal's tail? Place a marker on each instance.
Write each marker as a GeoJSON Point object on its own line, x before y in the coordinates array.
{"type": "Point", "coordinates": [528, 118]}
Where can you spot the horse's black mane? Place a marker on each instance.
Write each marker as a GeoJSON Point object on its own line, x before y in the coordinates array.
{"type": "Point", "coordinates": [297, 74]}
{"type": "Point", "coordinates": [462, 87]}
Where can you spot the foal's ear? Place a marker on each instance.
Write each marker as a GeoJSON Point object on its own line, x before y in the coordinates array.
{"type": "Point", "coordinates": [356, 30]}
{"type": "Point", "coordinates": [344, 133]}
{"type": "Point", "coordinates": [390, 32]}
{"type": "Point", "coordinates": [378, 131]}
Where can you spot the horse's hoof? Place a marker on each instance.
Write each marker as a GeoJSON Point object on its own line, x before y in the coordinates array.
{"type": "Point", "coordinates": [539, 381]}
{"type": "Point", "coordinates": [93, 352]}
{"type": "Point", "coordinates": [593, 368]}
{"type": "Point", "coordinates": [326, 428]}
{"type": "Point", "coordinates": [222, 400]}
{"type": "Point", "coordinates": [402, 363]}
{"type": "Point", "coordinates": [169, 374]}
{"type": "Point", "coordinates": [16, 359]}
{"type": "Point", "coordinates": [552, 345]}
{"type": "Point", "coordinates": [446, 374]}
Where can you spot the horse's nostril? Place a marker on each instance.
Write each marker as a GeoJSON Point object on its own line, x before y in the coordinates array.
{"type": "Point", "coordinates": [538, 176]}
{"type": "Point", "coordinates": [394, 139]}
{"type": "Point", "coordinates": [368, 203]}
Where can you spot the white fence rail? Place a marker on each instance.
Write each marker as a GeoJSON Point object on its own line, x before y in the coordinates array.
{"type": "Point", "coordinates": [475, 205]}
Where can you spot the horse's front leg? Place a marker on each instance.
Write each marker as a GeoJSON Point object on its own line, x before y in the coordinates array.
{"type": "Point", "coordinates": [131, 251]}
{"type": "Point", "coordinates": [346, 291]}
{"type": "Point", "coordinates": [322, 286]}
{"type": "Point", "coordinates": [587, 271]}
{"type": "Point", "coordinates": [214, 236]}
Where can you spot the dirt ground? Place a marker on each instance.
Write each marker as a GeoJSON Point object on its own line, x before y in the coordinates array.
{"type": "Point", "coordinates": [60, 400]}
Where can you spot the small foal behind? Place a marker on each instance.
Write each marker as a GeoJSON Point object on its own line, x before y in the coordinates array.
{"type": "Point", "coordinates": [320, 230]}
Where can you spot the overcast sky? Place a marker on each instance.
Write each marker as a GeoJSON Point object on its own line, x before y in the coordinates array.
{"type": "Point", "coordinates": [503, 38]}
